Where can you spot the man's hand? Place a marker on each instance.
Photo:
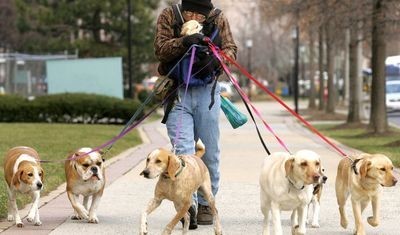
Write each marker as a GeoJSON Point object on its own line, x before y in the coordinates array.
{"type": "Point", "coordinates": [196, 38]}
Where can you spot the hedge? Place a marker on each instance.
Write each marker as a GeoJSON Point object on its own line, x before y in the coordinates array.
{"type": "Point", "coordinates": [67, 108]}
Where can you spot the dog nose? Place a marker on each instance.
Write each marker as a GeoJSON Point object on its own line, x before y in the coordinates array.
{"type": "Point", "coordinates": [394, 181]}
{"type": "Point", "coordinates": [324, 178]}
{"type": "Point", "coordinates": [93, 169]}
{"type": "Point", "coordinates": [39, 185]}
{"type": "Point", "coordinates": [145, 173]}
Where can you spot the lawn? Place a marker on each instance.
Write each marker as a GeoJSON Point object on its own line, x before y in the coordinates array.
{"type": "Point", "coordinates": [54, 142]}
{"type": "Point", "coordinates": [360, 138]}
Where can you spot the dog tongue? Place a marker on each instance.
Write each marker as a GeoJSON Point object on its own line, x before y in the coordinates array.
{"type": "Point", "coordinates": [95, 177]}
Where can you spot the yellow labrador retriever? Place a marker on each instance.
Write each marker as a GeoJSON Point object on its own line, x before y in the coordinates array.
{"type": "Point", "coordinates": [363, 179]}
{"type": "Point", "coordinates": [286, 183]}
{"type": "Point", "coordinates": [179, 178]}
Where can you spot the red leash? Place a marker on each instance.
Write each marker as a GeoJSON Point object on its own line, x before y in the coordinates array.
{"type": "Point", "coordinates": [247, 74]}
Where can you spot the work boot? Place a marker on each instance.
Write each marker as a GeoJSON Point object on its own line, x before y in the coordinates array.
{"type": "Point", "coordinates": [193, 219]}
{"type": "Point", "coordinates": [204, 215]}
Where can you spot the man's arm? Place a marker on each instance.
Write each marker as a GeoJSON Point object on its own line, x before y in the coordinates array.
{"type": "Point", "coordinates": [166, 46]}
{"type": "Point", "coordinates": [228, 45]}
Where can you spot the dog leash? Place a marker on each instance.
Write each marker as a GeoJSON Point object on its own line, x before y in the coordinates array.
{"type": "Point", "coordinates": [245, 97]}
{"type": "Point", "coordinates": [179, 124]}
{"type": "Point", "coordinates": [112, 141]}
{"type": "Point", "coordinates": [248, 75]}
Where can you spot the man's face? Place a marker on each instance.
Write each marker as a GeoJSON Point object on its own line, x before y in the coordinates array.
{"type": "Point", "coordinates": [190, 15]}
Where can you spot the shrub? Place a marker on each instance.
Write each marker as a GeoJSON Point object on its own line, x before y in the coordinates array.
{"type": "Point", "coordinates": [67, 108]}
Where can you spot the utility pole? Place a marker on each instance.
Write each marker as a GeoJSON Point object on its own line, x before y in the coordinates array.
{"type": "Point", "coordinates": [129, 31]}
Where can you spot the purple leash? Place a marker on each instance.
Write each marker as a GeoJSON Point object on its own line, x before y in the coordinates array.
{"type": "Point", "coordinates": [178, 128]}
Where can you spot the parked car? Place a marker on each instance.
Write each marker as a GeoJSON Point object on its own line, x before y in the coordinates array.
{"type": "Point", "coordinates": [393, 95]}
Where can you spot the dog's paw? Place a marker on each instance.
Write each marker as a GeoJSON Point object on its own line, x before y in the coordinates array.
{"type": "Point", "coordinates": [343, 223]}
{"type": "Point", "coordinates": [20, 225]}
{"type": "Point", "coordinates": [93, 220]}
{"type": "Point", "coordinates": [143, 229]}
{"type": "Point", "coordinates": [297, 231]}
{"type": "Point", "coordinates": [10, 218]}
{"type": "Point", "coordinates": [37, 223]}
{"type": "Point", "coordinates": [167, 231]}
{"type": "Point", "coordinates": [359, 233]}
{"type": "Point", "coordinates": [373, 221]}
{"type": "Point", "coordinates": [315, 225]}
{"type": "Point", "coordinates": [78, 217]}
{"type": "Point", "coordinates": [30, 219]}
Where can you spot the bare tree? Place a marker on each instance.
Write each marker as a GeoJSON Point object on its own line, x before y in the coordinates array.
{"type": "Point", "coordinates": [378, 120]}
{"type": "Point", "coordinates": [312, 104]}
{"type": "Point", "coordinates": [355, 53]}
{"type": "Point", "coordinates": [321, 66]}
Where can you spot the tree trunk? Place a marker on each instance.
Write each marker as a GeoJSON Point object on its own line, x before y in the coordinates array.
{"type": "Point", "coordinates": [330, 55]}
{"type": "Point", "coordinates": [378, 120]}
{"type": "Point", "coordinates": [311, 103]}
{"type": "Point", "coordinates": [321, 55]}
{"type": "Point", "coordinates": [355, 83]}
{"type": "Point", "coordinates": [346, 70]}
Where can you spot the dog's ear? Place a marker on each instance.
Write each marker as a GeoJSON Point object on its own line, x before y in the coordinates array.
{"type": "Point", "coordinates": [42, 174]}
{"type": "Point", "coordinates": [364, 168]}
{"type": "Point", "coordinates": [289, 166]}
{"type": "Point", "coordinates": [173, 166]}
{"type": "Point", "coordinates": [16, 179]}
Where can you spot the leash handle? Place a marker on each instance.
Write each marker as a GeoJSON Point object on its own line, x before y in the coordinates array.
{"type": "Point", "coordinates": [247, 74]}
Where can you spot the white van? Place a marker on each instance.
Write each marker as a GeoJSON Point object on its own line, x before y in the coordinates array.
{"type": "Point", "coordinates": [393, 95]}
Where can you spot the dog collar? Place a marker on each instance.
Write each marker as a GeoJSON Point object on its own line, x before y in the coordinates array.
{"type": "Point", "coordinates": [183, 164]}
{"type": "Point", "coordinates": [294, 186]}
{"type": "Point", "coordinates": [353, 165]}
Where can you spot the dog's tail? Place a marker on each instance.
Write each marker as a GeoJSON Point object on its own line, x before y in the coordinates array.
{"type": "Point", "coordinates": [200, 148]}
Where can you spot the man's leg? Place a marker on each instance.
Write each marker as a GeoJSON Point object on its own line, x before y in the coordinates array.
{"type": "Point", "coordinates": [206, 123]}
{"type": "Point", "coordinates": [180, 131]}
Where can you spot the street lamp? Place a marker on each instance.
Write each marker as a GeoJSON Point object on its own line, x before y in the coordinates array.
{"type": "Point", "coordinates": [249, 45]}
{"type": "Point", "coordinates": [295, 82]}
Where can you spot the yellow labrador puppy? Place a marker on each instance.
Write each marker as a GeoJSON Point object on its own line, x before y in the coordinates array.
{"type": "Point", "coordinates": [363, 179]}
{"type": "Point", "coordinates": [286, 183]}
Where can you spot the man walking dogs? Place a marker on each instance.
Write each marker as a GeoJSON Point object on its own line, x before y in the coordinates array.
{"type": "Point", "coordinates": [196, 114]}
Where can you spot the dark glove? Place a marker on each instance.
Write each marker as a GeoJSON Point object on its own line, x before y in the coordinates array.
{"type": "Point", "coordinates": [206, 66]}
{"type": "Point", "coordinates": [196, 38]}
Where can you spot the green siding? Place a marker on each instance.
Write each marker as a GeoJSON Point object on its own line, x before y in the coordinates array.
{"type": "Point", "coordinates": [100, 76]}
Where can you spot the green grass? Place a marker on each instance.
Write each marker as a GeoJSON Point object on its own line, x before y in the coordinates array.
{"type": "Point", "coordinates": [54, 142]}
{"type": "Point", "coordinates": [361, 139]}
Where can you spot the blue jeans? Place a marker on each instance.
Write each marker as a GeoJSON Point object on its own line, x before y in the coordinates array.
{"type": "Point", "coordinates": [193, 119]}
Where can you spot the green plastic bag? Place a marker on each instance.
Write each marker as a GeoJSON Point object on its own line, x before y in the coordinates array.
{"type": "Point", "coordinates": [234, 116]}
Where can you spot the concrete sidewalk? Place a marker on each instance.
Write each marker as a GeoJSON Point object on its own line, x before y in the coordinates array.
{"type": "Point", "coordinates": [238, 199]}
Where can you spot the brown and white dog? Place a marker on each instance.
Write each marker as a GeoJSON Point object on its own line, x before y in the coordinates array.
{"type": "Point", "coordinates": [23, 174]}
{"type": "Point", "coordinates": [363, 178]}
{"type": "Point", "coordinates": [286, 183]}
{"type": "Point", "coordinates": [85, 176]}
{"type": "Point", "coordinates": [316, 200]}
{"type": "Point", "coordinates": [179, 178]}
